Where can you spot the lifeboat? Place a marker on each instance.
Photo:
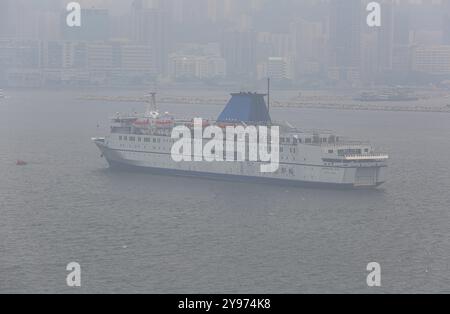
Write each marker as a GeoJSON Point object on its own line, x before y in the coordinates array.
{"type": "Point", "coordinates": [141, 123]}
{"type": "Point", "coordinates": [166, 121]}
{"type": "Point", "coordinates": [21, 163]}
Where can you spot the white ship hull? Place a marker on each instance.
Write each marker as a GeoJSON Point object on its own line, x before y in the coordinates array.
{"type": "Point", "coordinates": [312, 158]}
{"type": "Point", "coordinates": [159, 161]}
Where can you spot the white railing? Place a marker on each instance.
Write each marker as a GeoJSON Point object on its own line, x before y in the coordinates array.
{"type": "Point", "coordinates": [379, 156]}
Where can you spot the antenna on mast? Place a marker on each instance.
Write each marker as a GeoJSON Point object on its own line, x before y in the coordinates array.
{"type": "Point", "coordinates": [268, 94]}
{"type": "Point", "coordinates": [150, 99]}
{"type": "Point", "coordinates": [153, 102]}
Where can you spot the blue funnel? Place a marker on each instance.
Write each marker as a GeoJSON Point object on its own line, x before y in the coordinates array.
{"type": "Point", "coordinates": [249, 108]}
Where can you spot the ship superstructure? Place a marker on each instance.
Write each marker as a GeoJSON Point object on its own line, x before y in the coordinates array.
{"type": "Point", "coordinates": [306, 157]}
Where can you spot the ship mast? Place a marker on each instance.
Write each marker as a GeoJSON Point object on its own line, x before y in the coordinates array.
{"type": "Point", "coordinates": [151, 102]}
{"type": "Point", "coordinates": [268, 95]}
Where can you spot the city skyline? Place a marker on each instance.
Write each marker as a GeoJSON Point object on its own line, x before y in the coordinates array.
{"type": "Point", "coordinates": [324, 43]}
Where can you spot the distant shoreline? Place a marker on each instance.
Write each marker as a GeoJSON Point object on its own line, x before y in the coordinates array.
{"type": "Point", "coordinates": [370, 106]}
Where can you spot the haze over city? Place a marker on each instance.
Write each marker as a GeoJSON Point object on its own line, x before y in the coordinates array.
{"type": "Point", "coordinates": [310, 43]}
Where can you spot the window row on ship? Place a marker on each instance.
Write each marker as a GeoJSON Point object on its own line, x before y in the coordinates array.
{"type": "Point", "coordinates": [144, 139]}
{"type": "Point", "coordinates": [309, 140]}
{"type": "Point", "coordinates": [292, 150]}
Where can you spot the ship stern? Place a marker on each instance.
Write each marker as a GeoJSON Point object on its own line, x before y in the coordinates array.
{"type": "Point", "coordinates": [369, 177]}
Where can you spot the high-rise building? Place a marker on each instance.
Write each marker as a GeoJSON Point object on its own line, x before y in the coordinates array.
{"type": "Point", "coordinates": [151, 27]}
{"type": "Point", "coordinates": [369, 70]}
{"type": "Point", "coordinates": [345, 39]}
{"type": "Point", "coordinates": [216, 10]}
{"type": "Point", "coordinates": [446, 23]}
{"type": "Point", "coordinates": [433, 60]}
{"type": "Point", "coordinates": [402, 24]}
{"type": "Point", "coordinates": [386, 37]}
{"type": "Point", "coordinates": [278, 69]}
{"type": "Point", "coordinates": [26, 19]}
{"type": "Point", "coordinates": [401, 51]}
{"type": "Point", "coordinates": [274, 44]}
{"type": "Point", "coordinates": [239, 50]}
{"type": "Point", "coordinates": [18, 19]}
{"type": "Point", "coordinates": [308, 47]}
{"type": "Point", "coordinates": [94, 26]}
{"type": "Point", "coordinates": [201, 67]}
{"type": "Point", "coordinates": [401, 60]}
{"type": "Point", "coordinates": [195, 11]}
{"type": "Point", "coordinates": [53, 54]}
{"type": "Point", "coordinates": [136, 58]}
{"type": "Point", "coordinates": [5, 6]}
{"type": "Point", "coordinates": [377, 47]}
{"type": "Point", "coordinates": [198, 61]}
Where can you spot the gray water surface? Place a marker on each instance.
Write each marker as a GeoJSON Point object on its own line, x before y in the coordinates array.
{"type": "Point", "coordinates": [141, 233]}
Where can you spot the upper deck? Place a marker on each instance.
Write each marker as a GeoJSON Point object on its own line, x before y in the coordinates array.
{"type": "Point", "coordinates": [250, 110]}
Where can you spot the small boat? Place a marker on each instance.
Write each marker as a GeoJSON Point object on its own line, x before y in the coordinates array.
{"type": "Point", "coordinates": [21, 163]}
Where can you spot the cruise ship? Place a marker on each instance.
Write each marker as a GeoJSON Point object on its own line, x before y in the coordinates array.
{"type": "Point", "coordinates": [306, 157]}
